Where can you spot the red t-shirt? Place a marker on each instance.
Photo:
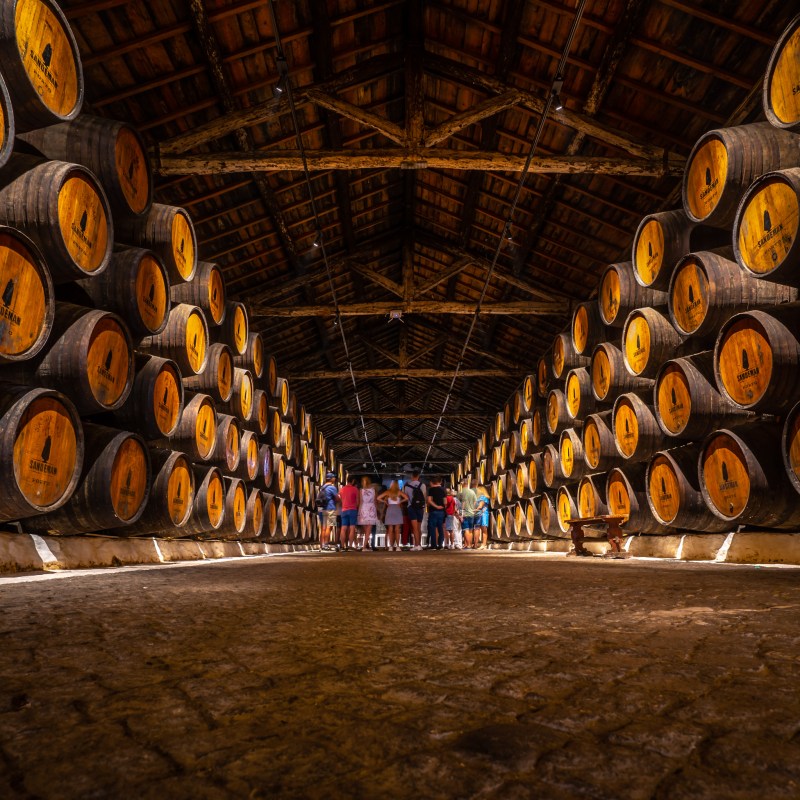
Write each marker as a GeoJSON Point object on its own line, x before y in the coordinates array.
{"type": "Point", "coordinates": [450, 506]}
{"type": "Point", "coordinates": [349, 495]}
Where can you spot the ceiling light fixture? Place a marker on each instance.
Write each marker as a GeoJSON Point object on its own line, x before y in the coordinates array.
{"type": "Point", "coordinates": [558, 85]}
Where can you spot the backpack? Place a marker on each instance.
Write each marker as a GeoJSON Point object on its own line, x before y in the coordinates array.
{"type": "Point", "coordinates": [322, 498]}
{"type": "Point", "coordinates": [417, 498]}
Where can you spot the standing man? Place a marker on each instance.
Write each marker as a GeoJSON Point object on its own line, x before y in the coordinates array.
{"type": "Point", "coordinates": [351, 499]}
{"type": "Point", "coordinates": [436, 498]}
{"type": "Point", "coordinates": [417, 498]}
{"type": "Point", "coordinates": [326, 503]}
{"type": "Point", "coordinates": [469, 501]}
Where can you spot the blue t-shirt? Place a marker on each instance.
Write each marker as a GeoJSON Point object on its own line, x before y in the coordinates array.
{"type": "Point", "coordinates": [329, 494]}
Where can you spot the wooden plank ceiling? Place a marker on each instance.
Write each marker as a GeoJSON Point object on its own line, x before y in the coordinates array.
{"type": "Point", "coordinates": [416, 117]}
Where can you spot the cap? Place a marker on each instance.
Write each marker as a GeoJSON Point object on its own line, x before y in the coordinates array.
{"type": "Point", "coordinates": [329, 475]}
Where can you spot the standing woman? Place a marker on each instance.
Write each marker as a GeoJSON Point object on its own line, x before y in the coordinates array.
{"type": "Point", "coordinates": [367, 513]}
{"type": "Point", "coordinates": [394, 514]}
{"type": "Point", "coordinates": [482, 518]}
{"type": "Point", "coordinates": [449, 520]}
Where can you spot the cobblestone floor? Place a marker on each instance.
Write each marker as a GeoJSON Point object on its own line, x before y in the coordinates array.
{"type": "Point", "coordinates": [403, 675]}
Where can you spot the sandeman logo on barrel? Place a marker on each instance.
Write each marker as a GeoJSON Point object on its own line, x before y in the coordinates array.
{"type": "Point", "coordinates": [40, 464]}
{"type": "Point", "coordinates": [104, 370]}
{"type": "Point", "coordinates": [6, 312]}
{"type": "Point", "coordinates": [710, 184]}
{"type": "Point", "coordinates": [746, 372]}
{"type": "Point", "coordinates": [665, 495]}
{"type": "Point", "coordinates": [80, 229]}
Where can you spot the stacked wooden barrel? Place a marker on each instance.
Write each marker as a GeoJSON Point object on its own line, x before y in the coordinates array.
{"type": "Point", "coordinates": [671, 396]}
{"type": "Point", "coordinates": [134, 398]}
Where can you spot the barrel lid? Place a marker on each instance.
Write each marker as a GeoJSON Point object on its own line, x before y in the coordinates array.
{"type": "Point", "coordinates": [129, 478]}
{"type": "Point", "coordinates": [152, 292]}
{"type": "Point", "coordinates": [781, 98]}
{"type": "Point", "coordinates": [587, 505]}
{"type": "Point", "coordinates": [705, 176]}
{"type": "Point", "coordinates": [258, 513]}
{"type": "Point", "coordinates": [215, 498]}
{"type": "Point", "coordinates": [206, 428]}
{"type": "Point", "coordinates": [601, 372]}
{"type": "Point", "coordinates": [609, 294]}
{"type": "Point", "coordinates": [84, 224]}
{"type": "Point", "coordinates": [167, 392]}
{"type": "Point", "coordinates": [225, 374]}
{"type": "Point", "coordinates": [636, 342]}
{"type": "Point", "coordinates": [133, 168]}
{"type": "Point", "coordinates": [196, 340]}
{"type": "Point", "coordinates": [567, 453]}
{"type": "Point", "coordinates": [743, 357]}
{"type": "Point", "coordinates": [663, 488]}
{"type": "Point", "coordinates": [591, 443]}
{"type": "Point", "coordinates": [626, 426]}
{"type": "Point", "coordinates": [239, 506]}
{"type": "Point", "coordinates": [724, 474]}
{"type": "Point", "coordinates": [673, 397]}
{"type": "Point", "coordinates": [183, 244]}
{"type": "Point", "coordinates": [573, 392]}
{"type": "Point", "coordinates": [180, 490]}
{"type": "Point", "coordinates": [216, 294]}
{"type": "Point", "coordinates": [688, 295]}
{"type": "Point", "coordinates": [580, 327]}
{"type": "Point", "coordinates": [648, 250]}
{"type": "Point", "coordinates": [617, 493]}
{"type": "Point", "coordinates": [565, 508]}
{"type": "Point", "coordinates": [108, 361]}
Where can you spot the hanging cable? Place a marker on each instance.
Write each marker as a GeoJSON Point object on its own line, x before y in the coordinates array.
{"type": "Point", "coordinates": [553, 96]}
{"type": "Point", "coordinates": [319, 240]}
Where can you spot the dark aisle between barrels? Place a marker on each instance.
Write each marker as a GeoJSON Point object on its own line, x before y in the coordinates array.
{"type": "Point", "coordinates": [402, 675]}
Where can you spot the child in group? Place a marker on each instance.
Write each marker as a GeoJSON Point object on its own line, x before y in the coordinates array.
{"type": "Point", "coordinates": [452, 512]}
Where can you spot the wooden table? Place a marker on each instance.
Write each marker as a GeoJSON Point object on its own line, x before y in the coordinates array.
{"type": "Point", "coordinates": [614, 532]}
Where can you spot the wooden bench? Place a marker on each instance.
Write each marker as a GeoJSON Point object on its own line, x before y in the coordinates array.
{"type": "Point", "coordinates": [614, 533]}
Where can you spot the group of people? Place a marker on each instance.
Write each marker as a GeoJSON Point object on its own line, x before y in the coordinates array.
{"type": "Point", "coordinates": [349, 516]}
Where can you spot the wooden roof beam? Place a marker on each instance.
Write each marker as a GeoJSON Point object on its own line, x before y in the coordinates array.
{"type": "Point", "coordinates": [413, 307]}
{"type": "Point", "coordinates": [367, 118]}
{"type": "Point", "coordinates": [484, 417]}
{"type": "Point", "coordinates": [396, 158]}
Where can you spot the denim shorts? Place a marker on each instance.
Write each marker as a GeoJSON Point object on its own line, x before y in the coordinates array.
{"type": "Point", "coordinates": [349, 517]}
{"type": "Point", "coordinates": [415, 514]}
{"type": "Point", "coordinates": [468, 523]}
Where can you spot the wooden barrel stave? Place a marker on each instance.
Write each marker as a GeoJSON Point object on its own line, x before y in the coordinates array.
{"type": "Point", "coordinates": [8, 128]}
{"type": "Point", "coordinates": [688, 404]}
{"type": "Point", "coordinates": [707, 288]}
{"type": "Point", "coordinates": [88, 356]}
{"type": "Point", "coordinates": [673, 491]}
{"type": "Point", "coordinates": [112, 150]}
{"type": "Point", "coordinates": [780, 97]}
{"type": "Point", "coordinates": [64, 210]}
{"type": "Point", "coordinates": [205, 290]}
{"type": "Point", "coordinates": [620, 293]}
{"type": "Point", "coordinates": [41, 439]}
{"type": "Point", "coordinates": [113, 489]}
{"type": "Point", "coordinates": [196, 433]}
{"type": "Point", "coordinates": [168, 230]}
{"type": "Point", "coordinates": [135, 285]}
{"type": "Point", "coordinates": [216, 380]}
{"type": "Point", "coordinates": [724, 162]}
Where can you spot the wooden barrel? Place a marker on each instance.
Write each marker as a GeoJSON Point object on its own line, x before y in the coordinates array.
{"type": "Point", "coordinates": [687, 402]}
{"type": "Point", "coordinates": [765, 231]}
{"type": "Point", "coordinates": [269, 380]}
{"type": "Point", "coordinates": [265, 469]}
{"type": "Point", "coordinates": [184, 339]}
{"type": "Point", "coordinates": [253, 356]}
{"type": "Point", "coordinates": [518, 412]}
{"type": "Point", "coordinates": [254, 514]}
{"type": "Point", "coordinates": [27, 304]}
{"type": "Point", "coordinates": [552, 473]}
{"type": "Point", "coordinates": [196, 433]}
{"type": "Point", "coordinates": [171, 500]}
{"type": "Point", "coordinates": [570, 452]}
{"type": "Point", "coordinates": [620, 293]}
{"type": "Point", "coordinates": [636, 430]}
{"type": "Point", "coordinates": [591, 498]}
{"type": "Point", "coordinates": [756, 359]}
{"type": "Point", "coordinates": [610, 378]}
{"type": "Point", "coordinates": [500, 425]}
{"type": "Point", "coordinates": [599, 449]}
{"type": "Point", "coordinates": [233, 526]}
{"type": "Point", "coordinates": [270, 530]}
{"type": "Point", "coordinates": [707, 288]}
{"type": "Point", "coordinates": [89, 356]}
{"type": "Point", "coordinates": [724, 162]}
{"type": "Point", "coordinates": [542, 377]}
{"type": "Point", "coordinates": [240, 403]}
{"type": "Point", "coordinates": [509, 486]}
{"type": "Point", "coordinates": [781, 98]}
{"type": "Point", "coordinates": [134, 285]}
{"type": "Point", "coordinates": [648, 339]}
{"type": "Point", "coordinates": [42, 446]}
{"type": "Point", "coordinates": [558, 417]}
{"type": "Point", "coordinates": [498, 518]}
{"type": "Point", "coordinates": [515, 453]}
{"type": "Point", "coordinates": [790, 446]}
{"type": "Point", "coordinates": [206, 290]}
{"type": "Point", "coordinates": [40, 61]}
{"type": "Point", "coordinates": [673, 491]}
{"type": "Point", "coordinates": [522, 478]}
{"type": "Point", "coordinates": [535, 473]}
{"type": "Point", "coordinates": [155, 404]}
{"type": "Point", "coordinates": [286, 442]}
{"type": "Point", "coordinates": [521, 520]}
{"type": "Point", "coordinates": [539, 431]}
{"type": "Point", "coordinates": [588, 329]}
{"type": "Point", "coordinates": [216, 379]}
{"type": "Point", "coordinates": [169, 231]}
{"type": "Point", "coordinates": [63, 208]}
{"type": "Point", "coordinates": [113, 488]}
{"type": "Point", "coordinates": [234, 330]}
{"type": "Point", "coordinates": [741, 480]}
{"type": "Point", "coordinates": [548, 521]}
{"type": "Point", "coordinates": [626, 494]}
{"type": "Point", "coordinates": [578, 391]}
{"type": "Point", "coordinates": [7, 125]}
{"type": "Point", "coordinates": [526, 437]}
{"type": "Point", "coordinates": [248, 466]}
{"type": "Point", "coordinates": [208, 512]}
{"type": "Point", "coordinates": [564, 356]}
{"type": "Point", "coordinates": [282, 397]}
{"type": "Point", "coordinates": [566, 508]}
{"type": "Point", "coordinates": [259, 420]}
{"type": "Point", "coordinates": [227, 446]}
{"type": "Point", "coordinates": [112, 150]}
{"type": "Point", "coordinates": [528, 395]}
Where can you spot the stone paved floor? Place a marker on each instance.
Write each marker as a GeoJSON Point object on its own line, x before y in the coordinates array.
{"type": "Point", "coordinates": [408, 675]}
